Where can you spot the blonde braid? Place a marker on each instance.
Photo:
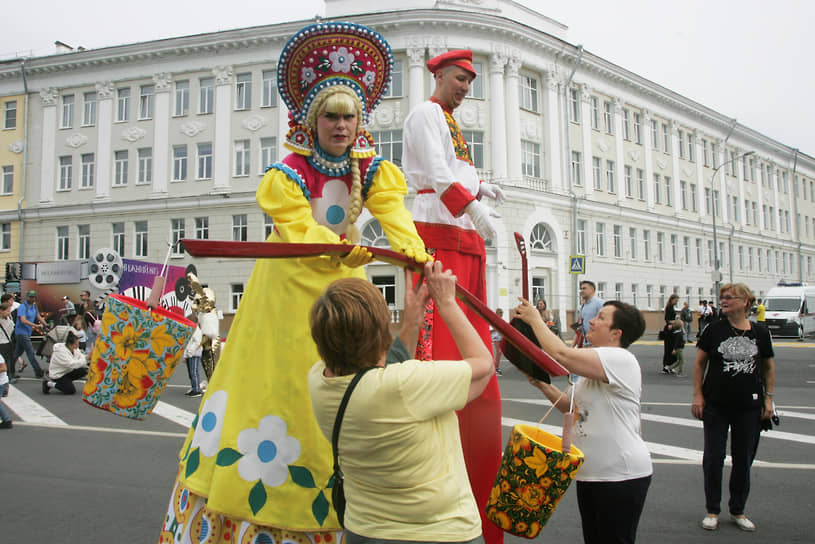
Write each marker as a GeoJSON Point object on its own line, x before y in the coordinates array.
{"type": "Point", "coordinates": [355, 205]}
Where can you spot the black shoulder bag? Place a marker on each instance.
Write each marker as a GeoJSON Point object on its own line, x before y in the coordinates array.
{"type": "Point", "coordinates": [337, 490]}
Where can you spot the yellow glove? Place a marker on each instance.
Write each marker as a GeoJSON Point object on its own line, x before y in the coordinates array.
{"type": "Point", "coordinates": [357, 257]}
{"type": "Point", "coordinates": [418, 254]}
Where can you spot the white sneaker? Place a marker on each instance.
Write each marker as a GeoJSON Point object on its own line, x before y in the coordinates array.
{"type": "Point", "coordinates": [743, 523]}
{"type": "Point", "coordinates": [710, 522]}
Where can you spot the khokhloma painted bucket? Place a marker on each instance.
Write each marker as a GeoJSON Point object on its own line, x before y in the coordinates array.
{"type": "Point", "coordinates": [534, 475]}
{"type": "Point", "coordinates": [134, 356]}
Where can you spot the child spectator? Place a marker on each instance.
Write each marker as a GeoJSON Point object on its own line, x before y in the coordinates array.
{"type": "Point", "coordinates": [192, 356]}
{"type": "Point", "coordinates": [678, 348]}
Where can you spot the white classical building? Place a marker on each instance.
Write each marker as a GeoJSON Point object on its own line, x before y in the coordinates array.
{"type": "Point", "coordinates": [128, 147]}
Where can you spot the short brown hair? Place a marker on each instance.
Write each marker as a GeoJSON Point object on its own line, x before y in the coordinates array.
{"type": "Point", "coordinates": [350, 323]}
{"type": "Point", "coordinates": [740, 290]}
{"type": "Point", "coordinates": [628, 320]}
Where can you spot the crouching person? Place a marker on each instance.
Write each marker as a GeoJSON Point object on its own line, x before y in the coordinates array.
{"type": "Point", "coordinates": [68, 363]}
{"type": "Point", "coordinates": [399, 443]}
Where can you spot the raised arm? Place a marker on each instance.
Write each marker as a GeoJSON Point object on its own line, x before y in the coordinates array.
{"type": "Point", "coordinates": [442, 287]}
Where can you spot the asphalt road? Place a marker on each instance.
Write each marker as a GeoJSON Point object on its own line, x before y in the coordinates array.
{"type": "Point", "coordinates": [70, 473]}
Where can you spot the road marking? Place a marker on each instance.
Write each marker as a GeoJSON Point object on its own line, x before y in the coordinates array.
{"type": "Point", "coordinates": [174, 414]}
{"type": "Point", "coordinates": [28, 410]}
{"type": "Point", "coordinates": [100, 429]}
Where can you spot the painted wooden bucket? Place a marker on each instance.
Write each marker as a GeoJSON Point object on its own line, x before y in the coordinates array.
{"type": "Point", "coordinates": [134, 356]}
{"type": "Point", "coordinates": [534, 475]}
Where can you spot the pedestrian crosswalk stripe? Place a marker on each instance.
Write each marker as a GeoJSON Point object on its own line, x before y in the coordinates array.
{"type": "Point", "coordinates": [29, 410]}
{"type": "Point", "coordinates": [174, 414]}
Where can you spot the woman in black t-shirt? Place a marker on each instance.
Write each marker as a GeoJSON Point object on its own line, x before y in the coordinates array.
{"type": "Point", "coordinates": [733, 383]}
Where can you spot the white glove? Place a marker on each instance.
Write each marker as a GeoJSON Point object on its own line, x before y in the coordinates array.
{"type": "Point", "coordinates": [480, 213]}
{"type": "Point", "coordinates": [492, 191]}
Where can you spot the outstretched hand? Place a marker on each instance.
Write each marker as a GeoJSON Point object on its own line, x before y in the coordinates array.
{"type": "Point", "coordinates": [526, 312]}
{"type": "Point", "coordinates": [441, 283]}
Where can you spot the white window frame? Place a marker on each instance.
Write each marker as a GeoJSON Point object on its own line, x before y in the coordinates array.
{"type": "Point", "coordinates": [122, 104]}
{"type": "Point", "coordinates": [576, 168]}
{"type": "Point", "coordinates": [120, 167]}
{"type": "Point", "coordinates": [389, 144]}
{"type": "Point", "coordinates": [67, 120]}
{"type": "Point", "coordinates": [580, 241]}
{"type": "Point", "coordinates": [235, 295]}
{"type": "Point", "coordinates": [530, 159]}
{"type": "Point", "coordinates": [243, 91]}
{"type": "Point", "coordinates": [528, 93]}
{"type": "Point", "coordinates": [88, 161]}
{"type": "Point", "coordinates": [182, 98]}
{"type": "Point", "coordinates": [89, 109]}
{"type": "Point", "coordinates": [611, 175]}
{"type": "Point", "coordinates": [202, 228]}
{"type": "Point", "coordinates": [206, 95]}
{"type": "Point", "coordinates": [597, 173]}
{"type": "Point", "coordinates": [632, 243]}
{"type": "Point", "coordinates": [180, 162]}
{"type": "Point", "coordinates": [475, 141]}
{"type": "Point", "coordinates": [140, 236]}
{"type": "Point", "coordinates": [600, 239]}
{"type": "Point", "coordinates": [5, 236]}
{"type": "Point", "coordinates": [147, 95]}
{"type": "Point", "coordinates": [617, 241]}
{"type": "Point", "coordinates": [118, 237]}
{"type": "Point", "coordinates": [240, 227]}
{"type": "Point", "coordinates": [178, 231]}
{"type": "Point", "coordinates": [268, 98]}
{"type": "Point", "coordinates": [242, 153]}
{"type": "Point", "coordinates": [83, 241]}
{"type": "Point", "coordinates": [10, 115]}
{"type": "Point", "coordinates": [574, 101]}
{"type": "Point", "coordinates": [8, 180]}
{"type": "Point", "coordinates": [268, 152]}
{"type": "Point", "coordinates": [395, 89]}
{"type": "Point", "coordinates": [608, 117]}
{"type": "Point", "coordinates": [145, 169]}
{"type": "Point", "coordinates": [63, 244]}
{"type": "Point", "coordinates": [203, 168]}
{"type": "Point", "coordinates": [66, 173]}
{"type": "Point", "coordinates": [477, 85]}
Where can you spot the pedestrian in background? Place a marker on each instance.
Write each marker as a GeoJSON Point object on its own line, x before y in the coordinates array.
{"type": "Point", "coordinates": [7, 338]}
{"type": "Point", "coordinates": [678, 351]}
{"type": "Point", "coordinates": [667, 332]}
{"type": "Point", "coordinates": [686, 315]}
{"type": "Point", "coordinates": [68, 363]}
{"type": "Point", "coordinates": [733, 385]}
{"type": "Point", "coordinates": [28, 318]}
{"type": "Point", "coordinates": [192, 356]}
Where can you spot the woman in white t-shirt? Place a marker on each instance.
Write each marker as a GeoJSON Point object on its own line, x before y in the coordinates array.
{"type": "Point", "coordinates": [399, 443]}
{"type": "Point", "coordinates": [613, 481]}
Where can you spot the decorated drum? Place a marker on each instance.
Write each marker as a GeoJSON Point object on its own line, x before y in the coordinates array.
{"type": "Point", "coordinates": [134, 356]}
{"type": "Point", "coordinates": [534, 475]}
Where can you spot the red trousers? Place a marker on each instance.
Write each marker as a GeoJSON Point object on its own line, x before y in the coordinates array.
{"type": "Point", "coordinates": [479, 421]}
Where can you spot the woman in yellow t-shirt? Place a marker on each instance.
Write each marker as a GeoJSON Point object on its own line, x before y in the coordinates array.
{"type": "Point", "coordinates": [399, 444]}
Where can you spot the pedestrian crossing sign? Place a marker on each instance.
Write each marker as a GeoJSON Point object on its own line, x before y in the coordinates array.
{"type": "Point", "coordinates": [577, 264]}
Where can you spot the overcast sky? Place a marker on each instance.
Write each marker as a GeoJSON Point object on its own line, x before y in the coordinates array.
{"type": "Point", "coordinates": [746, 59]}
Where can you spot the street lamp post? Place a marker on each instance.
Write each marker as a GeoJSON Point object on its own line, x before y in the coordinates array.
{"type": "Point", "coordinates": [717, 276]}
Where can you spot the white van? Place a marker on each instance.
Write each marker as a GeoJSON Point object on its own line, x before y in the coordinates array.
{"type": "Point", "coordinates": [790, 310]}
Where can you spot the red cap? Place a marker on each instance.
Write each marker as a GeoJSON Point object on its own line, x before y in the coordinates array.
{"type": "Point", "coordinates": [463, 58]}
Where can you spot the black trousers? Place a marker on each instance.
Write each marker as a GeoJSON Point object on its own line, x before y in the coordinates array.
{"type": "Point", "coordinates": [744, 425]}
{"type": "Point", "coordinates": [66, 383]}
{"type": "Point", "coordinates": [610, 511]}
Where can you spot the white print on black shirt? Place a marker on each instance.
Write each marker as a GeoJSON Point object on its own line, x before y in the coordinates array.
{"type": "Point", "coordinates": [739, 355]}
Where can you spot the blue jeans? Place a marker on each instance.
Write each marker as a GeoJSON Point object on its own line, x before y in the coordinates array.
{"type": "Point", "coordinates": [3, 413]}
{"type": "Point", "coordinates": [22, 342]}
{"type": "Point", "coordinates": [192, 369]}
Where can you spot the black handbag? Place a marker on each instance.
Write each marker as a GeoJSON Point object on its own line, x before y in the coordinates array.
{"type": "Point", "coordinates": [337, 489]}
{"type": "Point", "coordinates": [661, 334]}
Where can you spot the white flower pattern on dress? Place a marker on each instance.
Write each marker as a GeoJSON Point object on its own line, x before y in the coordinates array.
{"type": "Point", "coordinates": [210, 424]}
{"type": "Point", "coordinates": [369, 79]}
{"type": "Point", "coordinates": [267, 452]}
{"type": "Point", "coordinates": [341, 60]}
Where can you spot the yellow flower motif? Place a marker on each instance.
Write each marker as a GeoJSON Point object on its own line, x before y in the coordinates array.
{"type": "Point", "coordinates": [495, 494]}
{"type": "Point", "coordinates": [135, 382]}
{"type": "Point", "coordinates": [538, 462]}
{"type": "Point", "coordinates": [546, 482]}
{"type": "Point", "coordinates": [531, 497]}
{"type": "Point", "coordinates": [125, 341]}
{"type": "Point", "coordinates": [108, 319]}
{"type": "Point", "coordinates": [520, 442]}
{"type": "Point", "coordinates": [160, 339]}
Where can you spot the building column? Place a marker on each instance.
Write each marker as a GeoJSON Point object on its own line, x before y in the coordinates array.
{"type": "Point", "coordinates": [553, 167]}
{"type": "Point", "coordinates": [104, 153]}
{"type": "Point", "coordinates": [774, 220]}
{"type": "Point", "coordinates": [645, 131]}
{"type": "Point", "coordinates": [498, 117]}
{"type": "Point", "coordinates": [585, 123]}
{"type": "Point", "coordinates": [513, 118]}
{"type": "Point", "coordinates": [221, 147]}
{"type": "Point", "coordinates": [161, 133]}
{"type": "Point", "coordinates": [416, 74]}
{"type": "Point", "coordinates": [49, 98]}
{"type": "Point", "coordinates": [620, 155]}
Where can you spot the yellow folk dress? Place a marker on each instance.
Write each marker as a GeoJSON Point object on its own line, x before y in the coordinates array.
{"type": "Point", "coordinates": [255, 467]}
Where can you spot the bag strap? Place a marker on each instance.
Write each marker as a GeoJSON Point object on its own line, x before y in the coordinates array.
{"type": "Point", "coordinates": [335, 434]}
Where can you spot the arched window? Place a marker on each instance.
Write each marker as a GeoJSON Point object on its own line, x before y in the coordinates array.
{"type": "Point", "coordinates": [372, 234]}
{"type": "Point", "coordinates": [541, 238]}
